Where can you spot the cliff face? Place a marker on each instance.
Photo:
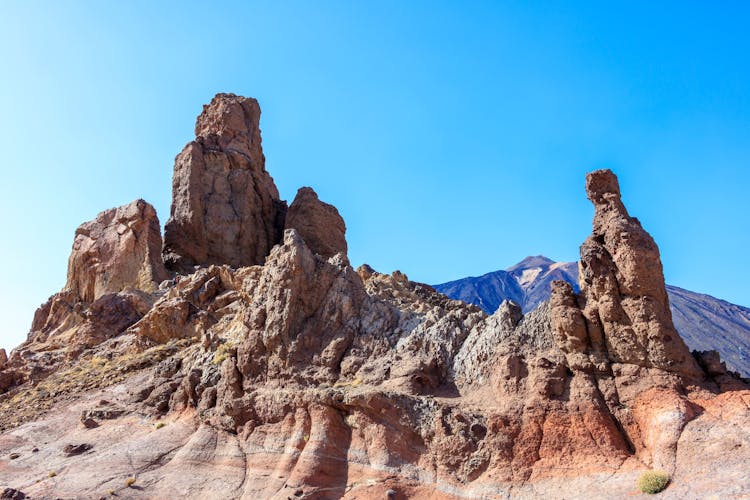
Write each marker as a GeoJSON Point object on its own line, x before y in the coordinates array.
{"type": "Point", "coordinates": [281, 372]}
{"type": "Point", "coordinates": [225, 205]}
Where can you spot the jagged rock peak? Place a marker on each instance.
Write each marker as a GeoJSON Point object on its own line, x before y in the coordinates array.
{"type": "Point", "coordinates": [231, 122]}
{"type": "Point", "coordinates": [119, 249]}
{"type": "Point", "coordinates": [225, 206]}
{"type": "Point", "coordinates": [623, 299]}
{"type": "Point", "coordinates": [319, 223]}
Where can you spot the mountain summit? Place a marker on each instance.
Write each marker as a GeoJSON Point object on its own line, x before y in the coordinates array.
{"type": "Point", "coordinates": [525, 283]}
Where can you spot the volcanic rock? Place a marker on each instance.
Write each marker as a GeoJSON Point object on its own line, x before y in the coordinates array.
{"type": "Point", "coordinates": [12, 494]}
{"type": "Point", "coordinates": [282, 372]}
{"type": "Point", "coordinates": [622, 313]}
{"type": "Point", "coordinates": [623, 294]}
{"type": "Point", "coordinates": [117, 250]}
{"type": "Point", "coordinates": [318, 223]}
{"type": "Point", "coordinates": [225, 206]}
{"type": "Point", "coordinates": [76, 449]}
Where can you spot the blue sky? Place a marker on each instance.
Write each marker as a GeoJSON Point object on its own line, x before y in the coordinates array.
{"type": "Point", "coordinates": [453, 138]}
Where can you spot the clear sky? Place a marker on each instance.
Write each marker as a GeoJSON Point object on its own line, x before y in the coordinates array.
{"type": "Point", "coordinates": [452, 136]}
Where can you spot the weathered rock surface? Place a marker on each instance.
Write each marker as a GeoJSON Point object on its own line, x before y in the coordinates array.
{"type": "Point", "coordinates": [119, 249]}
{"type": "Point", "coordinates": [318, 223]}
{"type": "Point", "coordinates": [225, 205]}
{"type": "Point", "coordinates": [623, 295]}
{"type": "Point", "coordinates": [298, 377]}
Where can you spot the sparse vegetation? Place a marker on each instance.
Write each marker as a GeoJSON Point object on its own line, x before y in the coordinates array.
{"type": "Point", "coordinates": [223, 352]}
{"type": "Point", "coordinates": [129, 482]}
{"type": "Point", "coordinates": [653, 481]}
{"type": "Point", "coordinates": [51, 473]}
{"type": "Point", "coordinates": [354, 383]}
{"type": "Point", "coordinates": [159, 425]}
{"type": "Point", "coordinates": [88, 373]}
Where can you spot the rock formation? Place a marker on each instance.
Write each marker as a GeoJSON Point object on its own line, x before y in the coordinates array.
{"type": "Point", "coordinates": [225, 206]}
{"type": "Point", "coordinates": [119, 249]}
{"type": "Point", "coordinates": [318, 223]}
{"type": "Point", "coordinates": [276, 370]}
{"type": "Point", "coordinates": [623, 295]}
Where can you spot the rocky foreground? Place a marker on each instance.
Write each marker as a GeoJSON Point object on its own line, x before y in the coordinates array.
{"type": "Point", "coordinates": [245, 358]}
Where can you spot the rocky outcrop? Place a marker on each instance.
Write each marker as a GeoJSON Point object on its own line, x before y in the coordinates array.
{"type": "Point", "coordinates": [295, 376]}
{"type": "Point", "coordinates": [318, 223]}
{"type": "Point", "coordinates": [119, 249]}
{"type": "Point", "coordinates": [225, 205]}
{"type": "Point", "coordinates": [622, 312]}
{"type": "Point", "coordinates": [705, 323]}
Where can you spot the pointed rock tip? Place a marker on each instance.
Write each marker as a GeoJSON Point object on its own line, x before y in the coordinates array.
{"type": "Point", "coordinates": [228, 115]}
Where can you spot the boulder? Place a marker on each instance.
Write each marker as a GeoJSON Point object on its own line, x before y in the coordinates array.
{"type": "Point", "coordinates": [225, 205]}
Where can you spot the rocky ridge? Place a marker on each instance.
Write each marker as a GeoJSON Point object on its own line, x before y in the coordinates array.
{"type": "Point", "coordinates": [265, 366]}
{"type": "Point", "coordinates": [704, 322]}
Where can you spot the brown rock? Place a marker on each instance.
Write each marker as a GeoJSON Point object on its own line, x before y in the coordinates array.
{"type": "Point", "coordinates": [76, 449]}
{"type": "Point", "coordinates": [318, 223]}
{"type": "Point", "coordinates": [117, 250]}
{"type": "Point", "coordinates": [89, 423]}
{"type": "Point", "coordinates": [623, 295]}
{"type": "Point", "coordinates": [225, 206]}
{"type": "Point", "coordinates": [3, 358]}
{"type": "Point", "coordinates": [12, 494]}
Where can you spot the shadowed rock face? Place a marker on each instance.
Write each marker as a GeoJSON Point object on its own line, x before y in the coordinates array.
{"type": "Point", "coordinates": [225, 206]}
{"type": "Point", "coordinates": [119, 249]}
{"type": "Point", "coordinates": [318, 223]}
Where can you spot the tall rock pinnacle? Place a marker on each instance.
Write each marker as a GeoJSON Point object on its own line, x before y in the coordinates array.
{"type": "Point", "coordinates": [225, 206]}
{"type": "Point", "coordinates": [623, 296]}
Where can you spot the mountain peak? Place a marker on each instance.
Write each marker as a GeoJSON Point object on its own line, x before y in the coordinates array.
{"type": "Point", "coordinates": [531, 261]}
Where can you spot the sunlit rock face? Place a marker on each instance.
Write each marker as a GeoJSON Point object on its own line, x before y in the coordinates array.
{"type": "Point", "coordinates": [119, 249]}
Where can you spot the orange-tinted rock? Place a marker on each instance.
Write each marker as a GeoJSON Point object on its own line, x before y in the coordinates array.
{"type": "Point", "coordinates": [225, 205]}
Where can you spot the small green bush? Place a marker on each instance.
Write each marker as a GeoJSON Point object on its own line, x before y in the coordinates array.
{"type": "Point", "coordinates": [159, 425]}
{"type": "Point", "coordinates": [130, 482]}
{"type": "Point", "coordinates": [222, 353]}
{"type": "Point", "coordinates": [653, 481]}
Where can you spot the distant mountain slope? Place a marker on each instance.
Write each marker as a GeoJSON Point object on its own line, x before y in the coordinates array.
{"type": "Point", "coordinates": [704, 322]}
{"type": "Point", "coordinates": [527, 284]}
